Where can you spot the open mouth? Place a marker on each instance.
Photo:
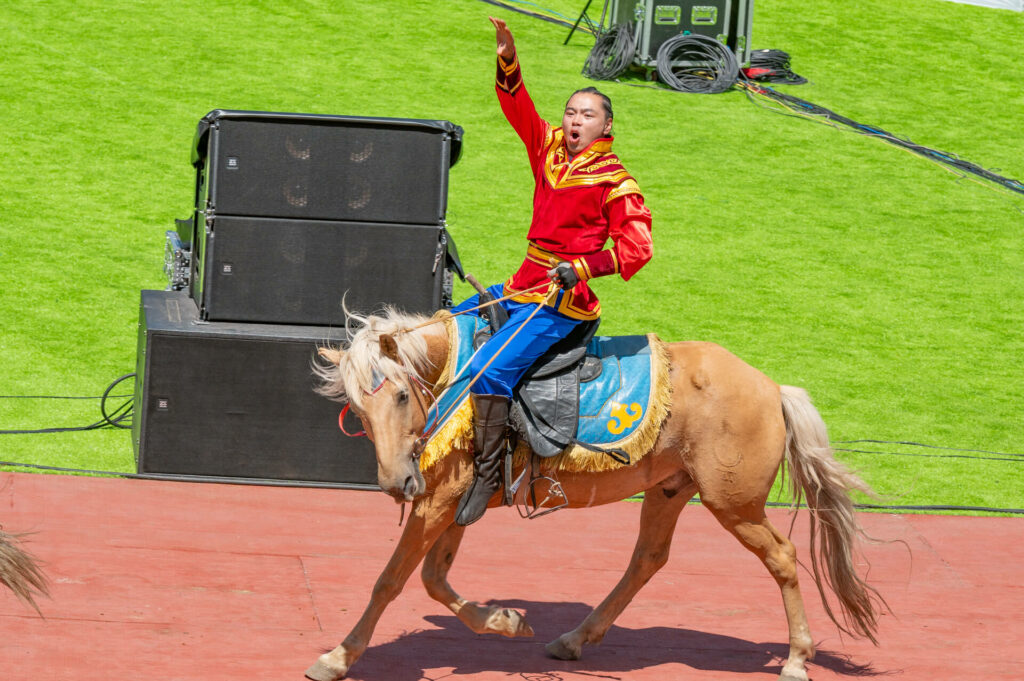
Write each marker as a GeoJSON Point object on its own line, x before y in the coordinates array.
{"type": "Point", "coordinates": [574, 138]}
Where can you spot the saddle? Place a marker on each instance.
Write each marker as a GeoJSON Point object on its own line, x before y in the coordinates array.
{"type": "Point", "coordinates": [545, 405]}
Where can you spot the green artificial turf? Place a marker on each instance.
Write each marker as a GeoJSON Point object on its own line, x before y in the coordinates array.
{"type": "Point", "coordinates": [884, 285]}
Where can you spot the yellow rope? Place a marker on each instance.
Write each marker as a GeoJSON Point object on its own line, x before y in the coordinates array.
{"type": "Point", "coordinates": [435, 320]}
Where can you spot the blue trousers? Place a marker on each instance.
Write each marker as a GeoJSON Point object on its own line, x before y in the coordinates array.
{"type": "Point", "coordinates": [532, 340]}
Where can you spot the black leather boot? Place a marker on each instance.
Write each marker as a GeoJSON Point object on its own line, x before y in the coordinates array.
{"type": "Point", "coordinates": [490, 422]}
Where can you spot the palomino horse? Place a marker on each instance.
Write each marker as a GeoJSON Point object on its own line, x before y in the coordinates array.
{"type": "Point", "coordinates": [19, 571]}
{"type": "Point", "coordinates": [727, 430]}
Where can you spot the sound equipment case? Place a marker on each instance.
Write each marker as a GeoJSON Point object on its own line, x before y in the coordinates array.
{"type": "Point", "coordinates": [656, 21]}
{"type": "Point", "coordinates": [286, 205]}
{"type": "Point", "coordinates": [235, 402]}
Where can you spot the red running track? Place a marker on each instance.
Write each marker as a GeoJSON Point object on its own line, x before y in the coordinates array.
{"type": "Point", "coordinates": [185, 581]}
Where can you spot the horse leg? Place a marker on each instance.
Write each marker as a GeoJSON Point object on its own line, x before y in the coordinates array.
{"type": "Point", "coordinates": [661, 507]}
{"type": "Point", "coordinates": [480, 619]}
{"type": "Point", "coordinates": [756, 533]}
{"type": "Point", "coordinates": [426, 522]}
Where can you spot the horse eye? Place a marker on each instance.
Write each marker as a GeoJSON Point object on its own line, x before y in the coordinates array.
{"type": "Point", "coordinates": [402, 397]}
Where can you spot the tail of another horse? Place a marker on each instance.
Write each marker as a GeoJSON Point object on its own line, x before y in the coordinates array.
{"type": "Point", "coordinates": [19, 571]}
{"type": "Point", "coordinates": [827, 484]}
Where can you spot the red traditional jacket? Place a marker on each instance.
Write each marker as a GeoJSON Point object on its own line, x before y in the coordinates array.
{"type": "Point", "coordinates": [578, 204]}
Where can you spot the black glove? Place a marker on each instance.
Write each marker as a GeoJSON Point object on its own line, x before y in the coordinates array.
{"type": "Point", "coordinates": [564, 274]}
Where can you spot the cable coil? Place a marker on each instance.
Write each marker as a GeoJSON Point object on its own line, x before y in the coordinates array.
{"type": "Point", "coordinates": [697, 63]}
{"type": "Point", "coordinates": [612, 53]}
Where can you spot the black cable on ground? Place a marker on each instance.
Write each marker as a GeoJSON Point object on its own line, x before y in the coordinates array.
{"type": "Point", "coordinates": [121, 413]}
{"type": "Point", "coordinates": [930, 456]}
{"type": "Point", "coordinates": [120, 417]}
{"type": "Point", "coordinates": [697, 63]}
{"type": "Point", "coordinates": [895, 507]}
{"type": "Point", "coordinates": [794, 106]}
{"type": "Point", "coordinates": [612, 53]}
{"type": "Point", "coordinates": [635, 497]}
{"type": "Point", "coordinates": [60, 469]}
{"type": "Point", "coordinates": [58, 397]}
{"type": "Point", "coordinates": [879, 507]}
{"type": "Point", "coordinates": [535, 15]}
{"type": "Point", "coordinates": [918, 444]}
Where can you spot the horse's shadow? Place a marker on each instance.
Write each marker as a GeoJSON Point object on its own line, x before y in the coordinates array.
{"type": "Point", "coordinates": [625, 650]}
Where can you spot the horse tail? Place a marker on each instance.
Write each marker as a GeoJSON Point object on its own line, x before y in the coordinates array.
{"type": "Point", "coordinates": [19, 571]}
{"type": "Point", "coordinates": [827, 483]}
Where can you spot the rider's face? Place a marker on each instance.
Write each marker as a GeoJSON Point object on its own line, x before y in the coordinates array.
{"type": "Point", "coordinates": [584, 121]}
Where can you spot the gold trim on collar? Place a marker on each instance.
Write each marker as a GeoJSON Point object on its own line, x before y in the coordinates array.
{"type": "Point", "coordinates": [561, 172]}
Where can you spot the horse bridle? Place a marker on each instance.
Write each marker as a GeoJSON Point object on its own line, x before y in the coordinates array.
{"type": "Point", "coordinates": [379, 379]}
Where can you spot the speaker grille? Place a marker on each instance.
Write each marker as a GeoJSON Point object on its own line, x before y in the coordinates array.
{"type": "Point", "coordinates": [297, 271]}
{"type": "Point", "coordinates": [345, 170]}
{"type": "Point", "coordinates": [236, 401]}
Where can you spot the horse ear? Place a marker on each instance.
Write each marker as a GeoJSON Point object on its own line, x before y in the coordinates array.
{"type": "Point", "coordinates": [389, 347]}
{"type": "Point", "coordinates": [332, 355]}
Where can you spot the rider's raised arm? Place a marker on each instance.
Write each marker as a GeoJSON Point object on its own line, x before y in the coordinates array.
{"type": "Point", "coordinates": [515, 101]}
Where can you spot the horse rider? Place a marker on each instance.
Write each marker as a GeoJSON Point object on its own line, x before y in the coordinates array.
{"type": "Point", "coordinates": [582, 196]}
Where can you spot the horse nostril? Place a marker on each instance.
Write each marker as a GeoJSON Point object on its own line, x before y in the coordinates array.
{"type": "Point", "coordinates": [409, 487]}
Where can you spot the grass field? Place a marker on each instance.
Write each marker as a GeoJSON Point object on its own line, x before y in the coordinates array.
{"type": "Point", "coordinates": [884, 285]}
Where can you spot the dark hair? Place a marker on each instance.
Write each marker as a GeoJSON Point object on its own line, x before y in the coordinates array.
{"type": "Point", "coordinates": [604, 99]}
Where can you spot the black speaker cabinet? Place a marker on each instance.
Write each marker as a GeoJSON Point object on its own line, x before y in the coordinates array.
{"type": "Point", "coordinates": [283, 271]}
{"type": "Point", "coordinates": [235, 402]}
{"type": "Point", "coordinates": [656, 21]}
{"type": "Point", "coordinates": [318, 167]}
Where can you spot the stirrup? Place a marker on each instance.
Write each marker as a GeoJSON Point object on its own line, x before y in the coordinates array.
{"type": "Point", "coordinates": [530, 508]}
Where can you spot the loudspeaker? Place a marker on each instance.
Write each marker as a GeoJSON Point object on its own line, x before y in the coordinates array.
{"type": "Point", "coordinates": [235, 402]}
{"type": "Point", "coordinates": [656, 21]}
{"type": "Point", "coordinates": [308, 166]}
{"type": "Point", "coordinates": [296, 271]}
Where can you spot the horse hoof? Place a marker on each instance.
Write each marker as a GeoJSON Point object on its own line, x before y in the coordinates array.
{"type": "Point", "coordinates": [320, 671]}
{"type": "Point", "coordinates": [559, 650]}
{"type": "Point", "coordinates": [786, 676]}
{"type": "Point", "coordinates": [508, 622]}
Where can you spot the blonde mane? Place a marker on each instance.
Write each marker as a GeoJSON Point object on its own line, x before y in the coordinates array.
{"type": "Point", "coordinates": [348, 374]}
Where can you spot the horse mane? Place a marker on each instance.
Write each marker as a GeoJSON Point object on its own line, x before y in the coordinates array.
{"type": "Point", "coordinates": [349, 372]}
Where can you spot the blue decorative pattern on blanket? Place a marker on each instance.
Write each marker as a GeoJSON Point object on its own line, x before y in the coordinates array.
{"type": "Point", "coordinates": [613, 405]}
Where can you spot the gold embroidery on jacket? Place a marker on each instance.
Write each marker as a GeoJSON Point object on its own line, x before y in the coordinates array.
{"type": "Point", "coordinates": [628, 186]}
{"type": "Point", "coordinates": [582, 170]}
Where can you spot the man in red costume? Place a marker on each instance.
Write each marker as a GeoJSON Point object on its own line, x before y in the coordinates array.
{"type": "Point", "coordinates": [582, 197]}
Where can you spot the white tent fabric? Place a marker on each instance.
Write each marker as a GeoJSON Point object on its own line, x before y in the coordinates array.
{"type": "Point", "coordinates": [1017, 5]}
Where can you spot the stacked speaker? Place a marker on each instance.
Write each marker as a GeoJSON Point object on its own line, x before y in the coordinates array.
{"type": "Point", "coordinates": [293, 213]}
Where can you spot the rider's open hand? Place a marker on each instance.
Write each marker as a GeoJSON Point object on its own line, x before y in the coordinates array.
{"type": "Point", "coordinates": [506, 44]}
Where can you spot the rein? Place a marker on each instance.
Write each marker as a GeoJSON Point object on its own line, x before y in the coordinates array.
{"type": "Point", "coordinates": [421, 442]}
{"type": "Point", "coordinates": [473, 380]}
{"type": "Point", "coordinates": [545, 284]}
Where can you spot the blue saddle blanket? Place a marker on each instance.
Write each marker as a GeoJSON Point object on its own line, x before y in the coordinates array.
{"type": "Point", "coordinates": [611, 407]}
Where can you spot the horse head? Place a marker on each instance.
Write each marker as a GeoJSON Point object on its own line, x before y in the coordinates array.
{"type": "Point", "coordinates": [384, 376]}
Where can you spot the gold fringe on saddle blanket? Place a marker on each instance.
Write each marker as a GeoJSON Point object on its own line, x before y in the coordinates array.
{"type": "Point", "coordinates": [457, 431]}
